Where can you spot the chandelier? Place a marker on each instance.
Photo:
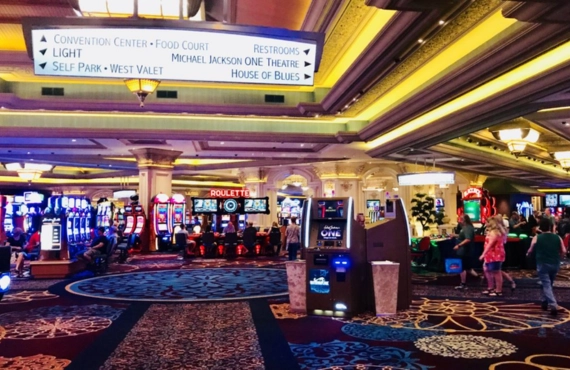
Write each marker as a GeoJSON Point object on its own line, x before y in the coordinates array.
{"type": "Point", "coordinates": [564, 159]}
{"type": "Point", "coordinates": [141, 87]}
{"type": "Point", "coordinates": [517, 138]}
{"type": "Point", "coordinates": [193, 10]}
{"type": "Point", "coordinates": [29, 171]}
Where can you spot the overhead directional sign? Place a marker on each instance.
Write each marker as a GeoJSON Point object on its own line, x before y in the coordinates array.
{"type": "Point", "coordinates": [167, 54]}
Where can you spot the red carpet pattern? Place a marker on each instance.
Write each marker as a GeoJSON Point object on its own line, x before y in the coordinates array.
{"type": "Point", "coordinates": [37, 362]}
{"type": "Point", "coordinates": [191, 336]}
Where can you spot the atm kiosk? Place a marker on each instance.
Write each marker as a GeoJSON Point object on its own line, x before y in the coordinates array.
{"type": "Point", "coordinates": [177, 213]}
{"type": "Point", "coordinates": [161, 221]}
{"type": "Point", "coordinates": [335, 257]}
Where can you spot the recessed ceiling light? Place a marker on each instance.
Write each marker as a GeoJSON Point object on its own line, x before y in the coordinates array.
{"type": "Point", "coordinates": [420, 41]}
{"type": "Point", "coordinates": [73, 140]}
{"type": "Point", "coordinates": [222, 143]}
{"type": "Point", "coordinates": [302, 144]}
{"type": "Point", "coordinates": [441, 22]}
{"type": "Point", "coordinates": [29, 153]}
{"type": "Point", "coordinates": [110, 165]}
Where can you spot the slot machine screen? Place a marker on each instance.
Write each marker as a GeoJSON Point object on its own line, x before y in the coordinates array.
{"type": "Point", "coordinates": [204, 205]}
{"type": "Point", "coordinates": [330, 209]}
{"type": "Point", "coordinates": [472, 208]}
{"type": "Point", "coordinates": [253, 205]}
{"type": "Point", "coordinates": [226, 218]}
{"type": "Point", "coordinates": [83, 226]}
{"type": "Point", "coordinates": [178, 212]}
{"type": "Point", "coordinates": [140, 224]}
{"type": "Point", "coordinates": [71, 203]}
{"type": "Point", "coordinates": [130, 222]}
{"type": "Point", "coordinates": [76, 226]}
{"type": "Point", "coordinates": [373, 204]}
{"type": "Point", "coordinates": [161, 217]}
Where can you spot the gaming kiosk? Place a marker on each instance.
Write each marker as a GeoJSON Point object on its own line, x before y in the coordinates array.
{"type": "Point", "coordinates": [59, 229]}
{"type": "Point", "coordinates": [335, 257]}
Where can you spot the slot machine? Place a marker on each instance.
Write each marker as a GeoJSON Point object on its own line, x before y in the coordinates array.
{"type": "Point", "coordinates": [129, 221]}
{"type": "Point", "coordinates": [83, 220]}
{"type": "Point", "coordinates": [120, 219]}
{"type": "Point", "coordinates": [335, 257]}
{"type": "Point", "coordinates": [9, 215]}
{"type": "Point", "coordinates": [139, 220]}
{"type": "Point", "coordinates": [161, 221]}
{"type": "Point", "coordinates": [242, 221]}
{"type": "Point", "coordinates": [225, 221]}
{"type": "Point", "coordinates": [177, 213]}
{"type": "Point", "coordinates": [70, 218]}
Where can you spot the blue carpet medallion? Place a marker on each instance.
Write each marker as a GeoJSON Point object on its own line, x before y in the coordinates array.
{"type": "Point", "coordinates": [200, 285]}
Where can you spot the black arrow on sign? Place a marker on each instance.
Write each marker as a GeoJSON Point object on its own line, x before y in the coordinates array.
{"type": "Point", "coordinates": [43, 65]}
{"type": "Point", "coordinates": [307, 76]}
{"type": "Point", "coordinates": [306, 51]}
{"type": "Point", "coordinates": [43, 39]}
{"type": "Point", "coordinates": [44, 52]}
{"type": "Point", "coordinates": [307, 64]}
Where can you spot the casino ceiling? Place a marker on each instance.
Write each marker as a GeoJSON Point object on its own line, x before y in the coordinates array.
{"type": "Point", "coordinates": [399, 80]}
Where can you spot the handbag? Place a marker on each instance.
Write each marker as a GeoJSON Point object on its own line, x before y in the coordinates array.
{"type": "Point", "coordinates": [453, 266]}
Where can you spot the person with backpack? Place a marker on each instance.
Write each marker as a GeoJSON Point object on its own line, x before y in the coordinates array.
{"type": "Point", "coordinates": [549, 248]}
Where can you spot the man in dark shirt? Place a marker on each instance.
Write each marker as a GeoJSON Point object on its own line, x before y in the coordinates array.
{"type": "Point", "coordinates": [250, 238]}
{"type": "Point", "coordinates": [98, 246]}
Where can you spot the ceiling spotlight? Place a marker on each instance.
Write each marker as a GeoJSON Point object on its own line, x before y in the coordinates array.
{"type": "Point", "coordinates": [73, 140]}
{"type": "Point", "coordinates": [441, 22]}
{"type": "Point", "coordinates": [222, 143]}
{"type": "Point", "coordinates": [566, 123]}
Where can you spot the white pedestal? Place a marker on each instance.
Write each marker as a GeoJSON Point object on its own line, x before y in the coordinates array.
{"type": "Point", "coordinates": [297, 281]}
{"type": "Point", "coordinates": [385, 276]}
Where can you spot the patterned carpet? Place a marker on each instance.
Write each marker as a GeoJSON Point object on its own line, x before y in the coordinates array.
{"type": "Point", "coordinates": [197, 285]}
{"type": "Point", "coordinates": [44, 326]}
{"type": "Point", "coordinates": [191, 336]}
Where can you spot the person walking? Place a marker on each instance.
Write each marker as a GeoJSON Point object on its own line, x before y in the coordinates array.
{"type": "Point", "coordinates": [463, 249]}
{"type": "Point", "coordinates": [549, 248]}
{"type": "Point", "coordinates": [293, 238]}
{"type": "Point", "coordinates": [494, 256]}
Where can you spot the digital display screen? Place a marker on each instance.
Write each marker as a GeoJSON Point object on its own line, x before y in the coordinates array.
{"type": "Point", "coordinates": [178, 211]}
{"type": "Point", "coordinates": [50, 237]}
{"type": "Point", "coordinates": [564, 200]}
{"type": "Point", "coordinates": [373, 204]}
{"type": "Point", "coordinates": [71, 202]}
{"type": "Point", "coordinates": [140, 224]}
{"type": "Point", "coordinates": [551, 200]}
{"type": "Point", "coordinates": [472, 208]}
{"type": "Point", "coordinates": [255, 205]}
{"type": "Point", "coordinates": [161, 216]}
{"type": "Point", "coordinates": [204, 205]}
{"type": "Point", "coordinates": [76, 225]}
{"type": "Point", "coordinates": [319, 281]}
{"type": "Point", "coordinates": [331, 231]}
{"type": "Point", "coordinates": [439, 202]}
{"type": "Point", "coordinates": [330, 209]}
{"type": "Point", "coordinates": [129, 224]}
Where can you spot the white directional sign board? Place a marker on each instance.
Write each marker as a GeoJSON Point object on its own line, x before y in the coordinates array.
{"type": "Point", "coordinates": [164, 54]}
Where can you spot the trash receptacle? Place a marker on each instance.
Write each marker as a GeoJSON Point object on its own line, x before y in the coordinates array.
{"type": "Point", "coordinates": [297, 282]}
{"type": "Point", "coordinates": [385, 277]}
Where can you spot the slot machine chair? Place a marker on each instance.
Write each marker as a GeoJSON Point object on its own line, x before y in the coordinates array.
{"type": "Point", "coordinates": [249, 242]}
{"type": "Point", "coordinates": [209, 244]}
{"type": "Point", "coordinates": [132, 241]}
{"type": "Point", "coordinates": [5, 279]}
{"type": "Point", "coordinates": [274, 241]}
{"type": "Point", "coordinates": [183, 246]}
{"type": "Point", "coordinates": [230, 245]}
{"type": "Point", "coordinates": [101, 262]}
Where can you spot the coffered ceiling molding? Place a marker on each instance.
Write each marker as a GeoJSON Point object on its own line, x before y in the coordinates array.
{"type": "Point", "coordinates": [474, 14]}
{"type": "Point", "coordinates": [538, 11]}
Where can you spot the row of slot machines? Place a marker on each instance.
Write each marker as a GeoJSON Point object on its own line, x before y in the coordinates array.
{"type": "Point", "coordinates": [66, 221]}
{"type": "Point", "coordinates": [167, 215]}
{"type": "Point", "coordinates": [23, 211]}
{"type": "Point", "coordinates": [134, 220]}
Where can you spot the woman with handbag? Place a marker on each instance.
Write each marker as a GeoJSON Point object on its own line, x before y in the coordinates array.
{"type": "Point", "coordinates": [494, 256]}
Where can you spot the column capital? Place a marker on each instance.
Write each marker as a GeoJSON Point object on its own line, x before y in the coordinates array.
{"type": "Point", "coordinates": [155, 158]}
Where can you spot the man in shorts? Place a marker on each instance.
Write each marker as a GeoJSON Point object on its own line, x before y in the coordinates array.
{"type": "Point", "coordinates": [98, 246]}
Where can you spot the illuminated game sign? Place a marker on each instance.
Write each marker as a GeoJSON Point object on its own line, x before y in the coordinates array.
{"type": "Point", "coordinates": [319, 281]}
{"type": "Point", "coordinates": [204, 205]}
{"type": "Point", "coordinates": [175, 54]}
{"type": "Point", "coordinates": [229, 193]}
{"type": "Point", "coordinates": [551, 200]}
{"type": "Point", "coordinates": [473, 193]}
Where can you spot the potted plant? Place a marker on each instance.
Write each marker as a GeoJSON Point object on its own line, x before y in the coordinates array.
{"type": "Point", "coordinates": [423, 209]}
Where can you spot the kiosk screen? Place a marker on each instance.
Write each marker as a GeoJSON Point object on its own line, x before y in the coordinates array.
{"type": "Point", "coordinates": [319, 281]}
{"type": "Point", "coordinates": [330, 209]}
{"type": "Point", "coordinates": [472, 208]}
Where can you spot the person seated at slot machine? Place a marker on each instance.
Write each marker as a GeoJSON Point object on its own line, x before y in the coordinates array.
{"type": "Point", "coordinates": [28, 251]}
{"type": "Point", "coordinates": [113, 238]}
{"type": "Point", "coordinates": [17, 241]}
{"type": "Point", "coordinates": [230, 228]}
{"type": "Point", "coordinates": [190, 244]}
{"type": "Point", "coordinates": [98, 246]}
{"type": "Point", "coordinates": [250, 238]}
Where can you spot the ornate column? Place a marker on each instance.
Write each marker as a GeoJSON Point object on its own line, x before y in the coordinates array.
{"type": "Point", "coordinates": [155, 176]}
